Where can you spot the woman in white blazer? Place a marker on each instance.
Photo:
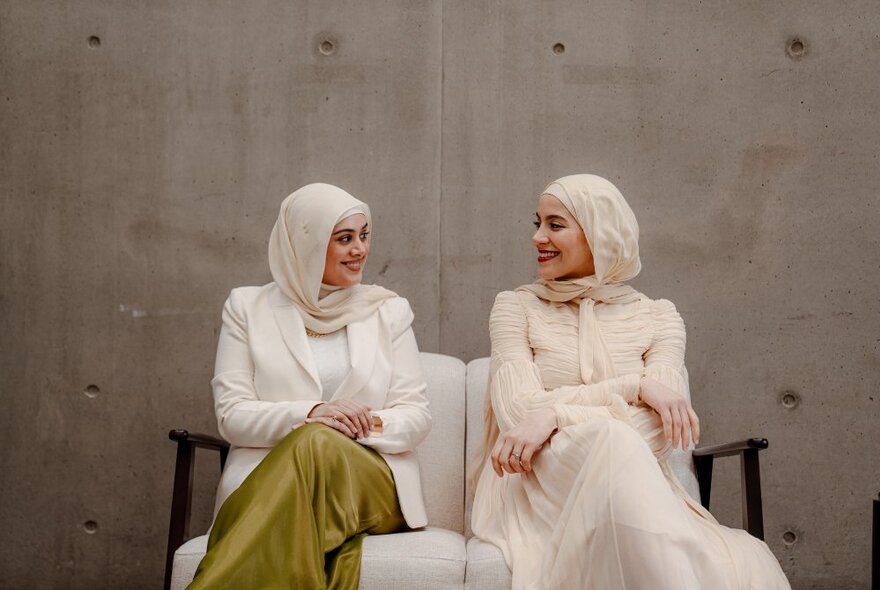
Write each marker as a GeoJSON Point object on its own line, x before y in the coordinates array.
{"type": "Point", "coordinates": [319, 390]}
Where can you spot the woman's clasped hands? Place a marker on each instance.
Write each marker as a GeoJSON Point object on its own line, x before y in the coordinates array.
{"type": "Point", "coordinates": [348, 417]}
{"type": "Point", "coordinates": [517, 448]}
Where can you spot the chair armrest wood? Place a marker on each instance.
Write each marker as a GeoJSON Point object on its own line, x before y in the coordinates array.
{"type": "Point", "coordinates": [181, 495]}
{"type": "Point", "coordinates": [733, 448]}
{"type": "Point", "coordinates": [752, 507]}
{"type": "Point", "coordinates": [205, 440]}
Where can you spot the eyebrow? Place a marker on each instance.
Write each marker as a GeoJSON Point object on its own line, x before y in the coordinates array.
{"type": "Point", "coordinates": [342, 231]}
{"type": "Point", "coordinates": [554, 216]}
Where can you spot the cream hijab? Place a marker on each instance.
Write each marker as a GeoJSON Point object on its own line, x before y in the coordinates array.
{"type": "Point", "coordinates": [298, 251]}
{"type": "Point", "coordinates": [613, 236]}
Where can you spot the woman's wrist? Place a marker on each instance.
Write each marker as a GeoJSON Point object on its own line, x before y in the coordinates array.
{"type": "Point", "coordinates": [312, 411]}
{"type": "Point", "coordinates": [552, 420]}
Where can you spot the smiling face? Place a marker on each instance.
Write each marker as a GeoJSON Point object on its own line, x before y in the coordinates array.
{"type": "Point", "coordinates": [563, 251]}
{"type": "Point", "coordinates": [347, 252]}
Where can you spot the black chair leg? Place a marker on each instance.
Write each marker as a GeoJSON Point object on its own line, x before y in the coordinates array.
{"type": "Point", "coordinates": [181, 501]}
{"type": "Point", "coordinates": [875, 556]}
{"type": "Point", "coordinates": [181, 496]}
{"type": "Point", "coordinates": [752, 511]}
{"type": "Point", "coordinates": [703, 466]}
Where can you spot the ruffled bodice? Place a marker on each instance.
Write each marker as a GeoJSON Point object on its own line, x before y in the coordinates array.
{"type": "Point", "coordinates": [535, 360]}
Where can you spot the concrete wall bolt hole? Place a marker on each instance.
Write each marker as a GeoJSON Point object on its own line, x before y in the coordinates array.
{"type": "Point", "coordinates": [789, 399]}
{"type": "Point", "coordinates": [559, 49]}
{"type": "Point", "coordinates": [90, 527]}
{"type": "Point", "coordinates": [91, 391]}
{"type": "Point", "coordinates": [327, 47]}
{"type": "Point", "coordinates": [796, 48]}
{"type": "Point", "coordinates": [789, 537]}
{"type": "Point", "coordinates": [94, 42]}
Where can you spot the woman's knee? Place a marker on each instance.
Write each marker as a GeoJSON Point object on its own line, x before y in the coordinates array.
{"type": "Point", "coordinates": [623, 436]}
{"type": "Point", "coordinates": [316, 440]}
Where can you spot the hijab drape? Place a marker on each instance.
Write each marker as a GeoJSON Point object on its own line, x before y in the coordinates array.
{"type": "Point", "coordinates": [613, 236]}
{"type": "Point", "coordinates": [298, 251]}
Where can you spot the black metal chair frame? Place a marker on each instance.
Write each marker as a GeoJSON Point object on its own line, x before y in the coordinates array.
{"type": "Point", "coordinates": [752, 506]}
{"type": "Point", "coordinates": [181, 495]}
{"type": "Point", "coordinates": [704, 458]}
{"type": "Point", "coordinates": [875, 553]}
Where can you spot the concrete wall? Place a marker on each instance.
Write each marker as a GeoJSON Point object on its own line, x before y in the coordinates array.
{"type": "Point", "coordinates": [146, 147]}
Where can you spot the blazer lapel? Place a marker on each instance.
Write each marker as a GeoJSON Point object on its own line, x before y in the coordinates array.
{"type": "Point", "coordinates": [293, 332]}
{"type": "Point", "coordinates": [363, 342]}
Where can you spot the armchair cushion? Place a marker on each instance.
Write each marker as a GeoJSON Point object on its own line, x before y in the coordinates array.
{"type": "Point", "coordinates": [186, 560]}
{"type": "Point", "coordinates": [486, 569]}
{"type": "Point", "coordinates": [430, 558]}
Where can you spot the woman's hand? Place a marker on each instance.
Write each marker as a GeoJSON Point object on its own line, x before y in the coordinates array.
{"type": "Point", "coordinates": [350, 418]}
{"type": "Point", "coordinates": [680, 423]}
{"type": "Point", "coordinates": [517, 447]}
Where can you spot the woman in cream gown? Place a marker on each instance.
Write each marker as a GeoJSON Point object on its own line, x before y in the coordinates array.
{"type": "Point", "coordinates": [587, 397]}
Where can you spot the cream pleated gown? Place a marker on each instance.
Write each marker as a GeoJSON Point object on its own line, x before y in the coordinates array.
{"type": "Point", "coordinates": [601, 510]}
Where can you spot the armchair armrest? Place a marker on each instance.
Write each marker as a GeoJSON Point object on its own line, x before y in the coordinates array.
{"type": "Point", "coordinates": [205, 441]}
{"type": "Point", "coordinates": [181, 496]}
{"type": "Point", "coordinates": [752, 509]}
{"type": "Point", "coordinates": [733, 448]}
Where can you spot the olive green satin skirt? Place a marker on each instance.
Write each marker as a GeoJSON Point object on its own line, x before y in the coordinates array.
{"type": "Point", "coordinates": [299, 519]}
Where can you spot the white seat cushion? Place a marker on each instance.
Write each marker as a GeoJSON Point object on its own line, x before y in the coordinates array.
{"type": "Point", "coordinates": [432, 558]}
{"type": "Point", "coordinates": [186, 560]}
{"type": "Point", "coordinates": [486, 569]}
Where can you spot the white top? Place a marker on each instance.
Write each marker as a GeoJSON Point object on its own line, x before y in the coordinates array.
{"type": "Point", "coordinates": [332, 360]}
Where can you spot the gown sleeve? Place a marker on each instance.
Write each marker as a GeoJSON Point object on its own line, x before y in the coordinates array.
{"type": "Point", "coordinates": [664, 359]}
{"type": "Point", "coordinates": [515, 383]}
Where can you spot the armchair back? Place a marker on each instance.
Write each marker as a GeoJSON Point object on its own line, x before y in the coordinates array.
{"type": "Point", "coordinates": [441, 455]}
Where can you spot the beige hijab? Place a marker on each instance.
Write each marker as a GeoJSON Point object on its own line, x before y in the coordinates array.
{"type": "Point", "coordinates": [613, 236]}
{"type": "Point", "coordinates": [298, 251]}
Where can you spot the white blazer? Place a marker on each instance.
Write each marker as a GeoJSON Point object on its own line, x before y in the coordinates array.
{"type": "Point", "coordinates": [265, 382]}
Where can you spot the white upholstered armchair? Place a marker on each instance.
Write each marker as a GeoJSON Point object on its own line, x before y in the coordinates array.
{"type": "Point", "coordinates": [440, 556]}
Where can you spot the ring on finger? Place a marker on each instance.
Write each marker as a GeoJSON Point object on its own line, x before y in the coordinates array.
{"type": "Point", "coordinates": [516, 456]}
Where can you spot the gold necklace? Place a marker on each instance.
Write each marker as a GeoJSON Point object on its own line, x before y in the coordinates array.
{"type": "Point", "coordinates": [314, 334]}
